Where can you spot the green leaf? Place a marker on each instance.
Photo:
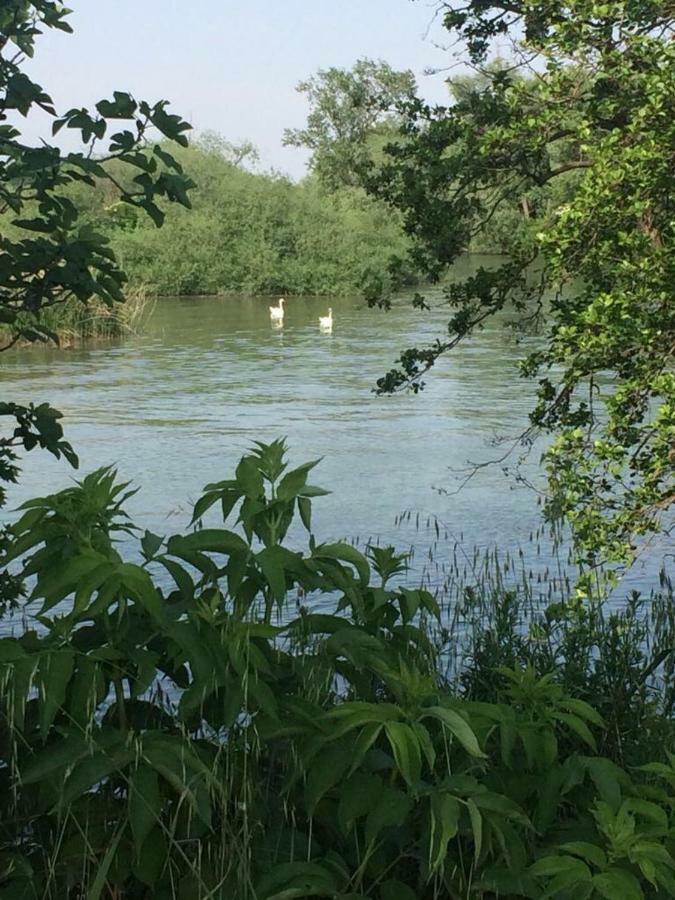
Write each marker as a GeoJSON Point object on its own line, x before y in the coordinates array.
{"type": "Point", "coordinates": [102, 872]}
{"type": "Point", "coordinates": [140, 585]}
{"type": "Point", "coordinates": [618, 883]}
{"type": "Point", "coordinates": [392, 809]}
{"type": "Point", "coordinates": [54, 671]}
{"type": "Point", "coordinates": [293, 482]}
{"type": "Point", "coordinates": [406, 750]}
{"type": "Point", "coordinates": [490, 802]}
{"type": "Point", "coordinates": [122, 107]}
{"type": "Point", "coordinates": [457, 726]}
{"type": "Point", "coordinates": [608, 778]}
{"type": "Point", "coordinates": [207, 540]}
{"type": "Point", "coordinates": [249, 478]}
{"type": "Point", "coordinates": [578, 726]}
{"type": "Point", "coordinates": [345, 553]}
{"type": "Point", "coordinates": [583, 710]}
{"type": "Point", "coordinates": [271, 561]}
{"type": "Point", "coordinates": [359, 795]}
{"type": "Point", "coordinates": [355, 713]}
{"type": "Point", "coordinates": [10, 650]}
{"type": "Point", "coordinates": [296, 880]}
{"type": "Point", "coordinates": [305, 509]}
{"type": "Point", "coordinates": [144, 803]}
{"type": "Point", "coordinates": [548, 866]}
{"type": "Point", "coordinates": [92, 770]}
{"type": "Point", "coordinates": [54, 758]}
{"type": "Point", "coordinates": [590, 852]}
{"type": "Point", "coordinates": [327, 769]}
{"type": "Point", "coordinates": [476, 827]}
{"type": "Point", "coordinates": [150, 544]}
{"type": "Point", "coordinates": [445, 812]}
{"type": "Point", "coordinates": [396, 890]}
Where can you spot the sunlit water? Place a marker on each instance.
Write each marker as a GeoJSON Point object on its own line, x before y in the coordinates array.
{"type": "Point", "coordinates": [175, 407]}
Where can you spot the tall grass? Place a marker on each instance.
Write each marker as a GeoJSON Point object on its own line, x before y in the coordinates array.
{"type": "Point", "coordinates": [75, 323]}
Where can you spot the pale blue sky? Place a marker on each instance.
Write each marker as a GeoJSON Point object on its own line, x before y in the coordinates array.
{"type": "Point", "coordinates": [232, 66]}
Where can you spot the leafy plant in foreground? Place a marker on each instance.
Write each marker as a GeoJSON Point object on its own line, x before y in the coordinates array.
{"type": "Point", "coordinates": [180, 727]}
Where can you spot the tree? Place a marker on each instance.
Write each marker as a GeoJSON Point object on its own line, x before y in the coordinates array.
{"type": "Point", "coordinates": [598, 116]}
{"type": "Point", "coordinates": [240, 154]}
{"type": "Point", "coordinates": [353, 113]}
{"type": "Point", "coordinates": [47, 256]}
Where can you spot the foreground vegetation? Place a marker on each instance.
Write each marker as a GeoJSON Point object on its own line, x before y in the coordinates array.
{"type": "Point", "coordinates": [220, 714]}
{"type": "Point", "coordinates": [186, 727]}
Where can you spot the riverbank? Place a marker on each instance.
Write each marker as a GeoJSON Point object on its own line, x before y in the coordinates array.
{"type": "Point", "coordinates": [75, 323]}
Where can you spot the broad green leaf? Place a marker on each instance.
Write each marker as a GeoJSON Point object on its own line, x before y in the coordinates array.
{"type": "Point", "coordinates": [548, 866]}
{"type": "Point", "coordinates": [608, 779]}
{"type": "Point", "coordinates": [359, 795]}
{"type": "Point", "coordinates": [590, 852]}
{"type": "Point", "coordinates": [345, 553]}
{"type": "Point", "coordinates": [305, 509]}
{"type": "Point", "coordinates": [54, 758]}
{"type": "Point", "coordinates": [140, 585]}
{"type": "Point", "coordinates": [249, 478]}
{"type": "Point", "coordinates": [476, 828]}
{"type": "Point", "coordinates": [296, 880]}
{"type": "Point", "coordinates": [492, 802]}
{"type": "Point", "coordinates": [327, 768]}
{"type": "Point", "coordinates": [365, 740]}
{"type": "Point", "coordinates": [54, 671]}
{"type": "Point", "coordinates": [10, 650]}
{"type": "Point", "coordinates": [207, 540]}
{"type": "Point", "coordinates": [396, 890]}
{"type": "Point", "coordinates": [617, 883]}
{"type": "Point", "coordinates": [457, 726]}
{"type": "Point", "coordinates": [271, 561]}
{"type": "Point", "coordinates": [406, 750]}
{"type": "Point", "coordinates": [293, 482]}
{"type": "Point", "coordinates": [391, 810]}
{"type": "Point", "coordinates": [99, 882]}
{"type": "Point", "coordinates": [445, 813]}
{"type": "Point", "coordinates": [578, 726]}
{"type": "Point", "coordinates": [144, 803]}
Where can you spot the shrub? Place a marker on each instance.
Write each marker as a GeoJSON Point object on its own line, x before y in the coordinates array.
{"type": "Point", "coordinates": [185, 726]}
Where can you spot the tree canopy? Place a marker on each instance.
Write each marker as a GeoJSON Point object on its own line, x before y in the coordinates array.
{"type": "Point", "coordinates": [596, 113]}
{"type": "Point", "coordinates": [353, 113]}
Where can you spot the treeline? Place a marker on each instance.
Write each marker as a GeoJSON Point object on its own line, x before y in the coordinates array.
{"type": "Point", "coordinates": [250, 233]}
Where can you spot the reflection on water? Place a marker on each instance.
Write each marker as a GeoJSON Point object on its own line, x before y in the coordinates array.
{"type": "Point", "coordinates": [175, 407]}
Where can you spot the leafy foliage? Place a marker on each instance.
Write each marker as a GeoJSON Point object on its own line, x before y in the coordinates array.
{"type": "Point", "coordinates": [597, 118]}
{"type": "Point", "coordinates": [48, 255]}
{"type": "Point", "coordinates": [250, 232]}
{"type": "Point", "coordinates": [353, 113]}
{"type": "Point", "coordinates": [180, 727]}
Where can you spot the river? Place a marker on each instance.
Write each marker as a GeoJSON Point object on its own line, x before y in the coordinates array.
{"type": "Point", "coordinates": [174, 407]}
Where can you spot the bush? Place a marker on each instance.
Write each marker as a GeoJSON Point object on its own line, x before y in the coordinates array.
{"type": "Point", "coordinates": [185, 726]}
{"type": "Point", "coordinates": [253, 233]}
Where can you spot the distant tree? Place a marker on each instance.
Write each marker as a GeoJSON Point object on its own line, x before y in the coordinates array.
{"type": "Point", "coordinates": [594, 120]}
{"type": "Point", "coordinates": [353, 113]}
{"type": "Point", "coordinates": [239, 154]}
{"type": "Point", "coordinates": [47, 256]}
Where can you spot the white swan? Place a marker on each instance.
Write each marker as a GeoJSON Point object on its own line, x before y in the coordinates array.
{"type": "Point", "coordinates": [326, 322]}
{"type": "Point", "coordinates": [277, 312]}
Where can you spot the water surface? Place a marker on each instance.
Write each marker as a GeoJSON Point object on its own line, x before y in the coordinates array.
{"type": "Point", "coordinates": [175, 407]}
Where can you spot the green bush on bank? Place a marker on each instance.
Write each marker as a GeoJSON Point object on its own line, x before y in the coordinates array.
{"type": "Point", "coordinates": [184, 727]}
{"type": "Point", "coordinates": [252, 233]}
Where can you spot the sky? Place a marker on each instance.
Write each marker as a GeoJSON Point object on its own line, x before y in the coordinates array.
{"type": "Point", "coordinates": [232, 66]}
